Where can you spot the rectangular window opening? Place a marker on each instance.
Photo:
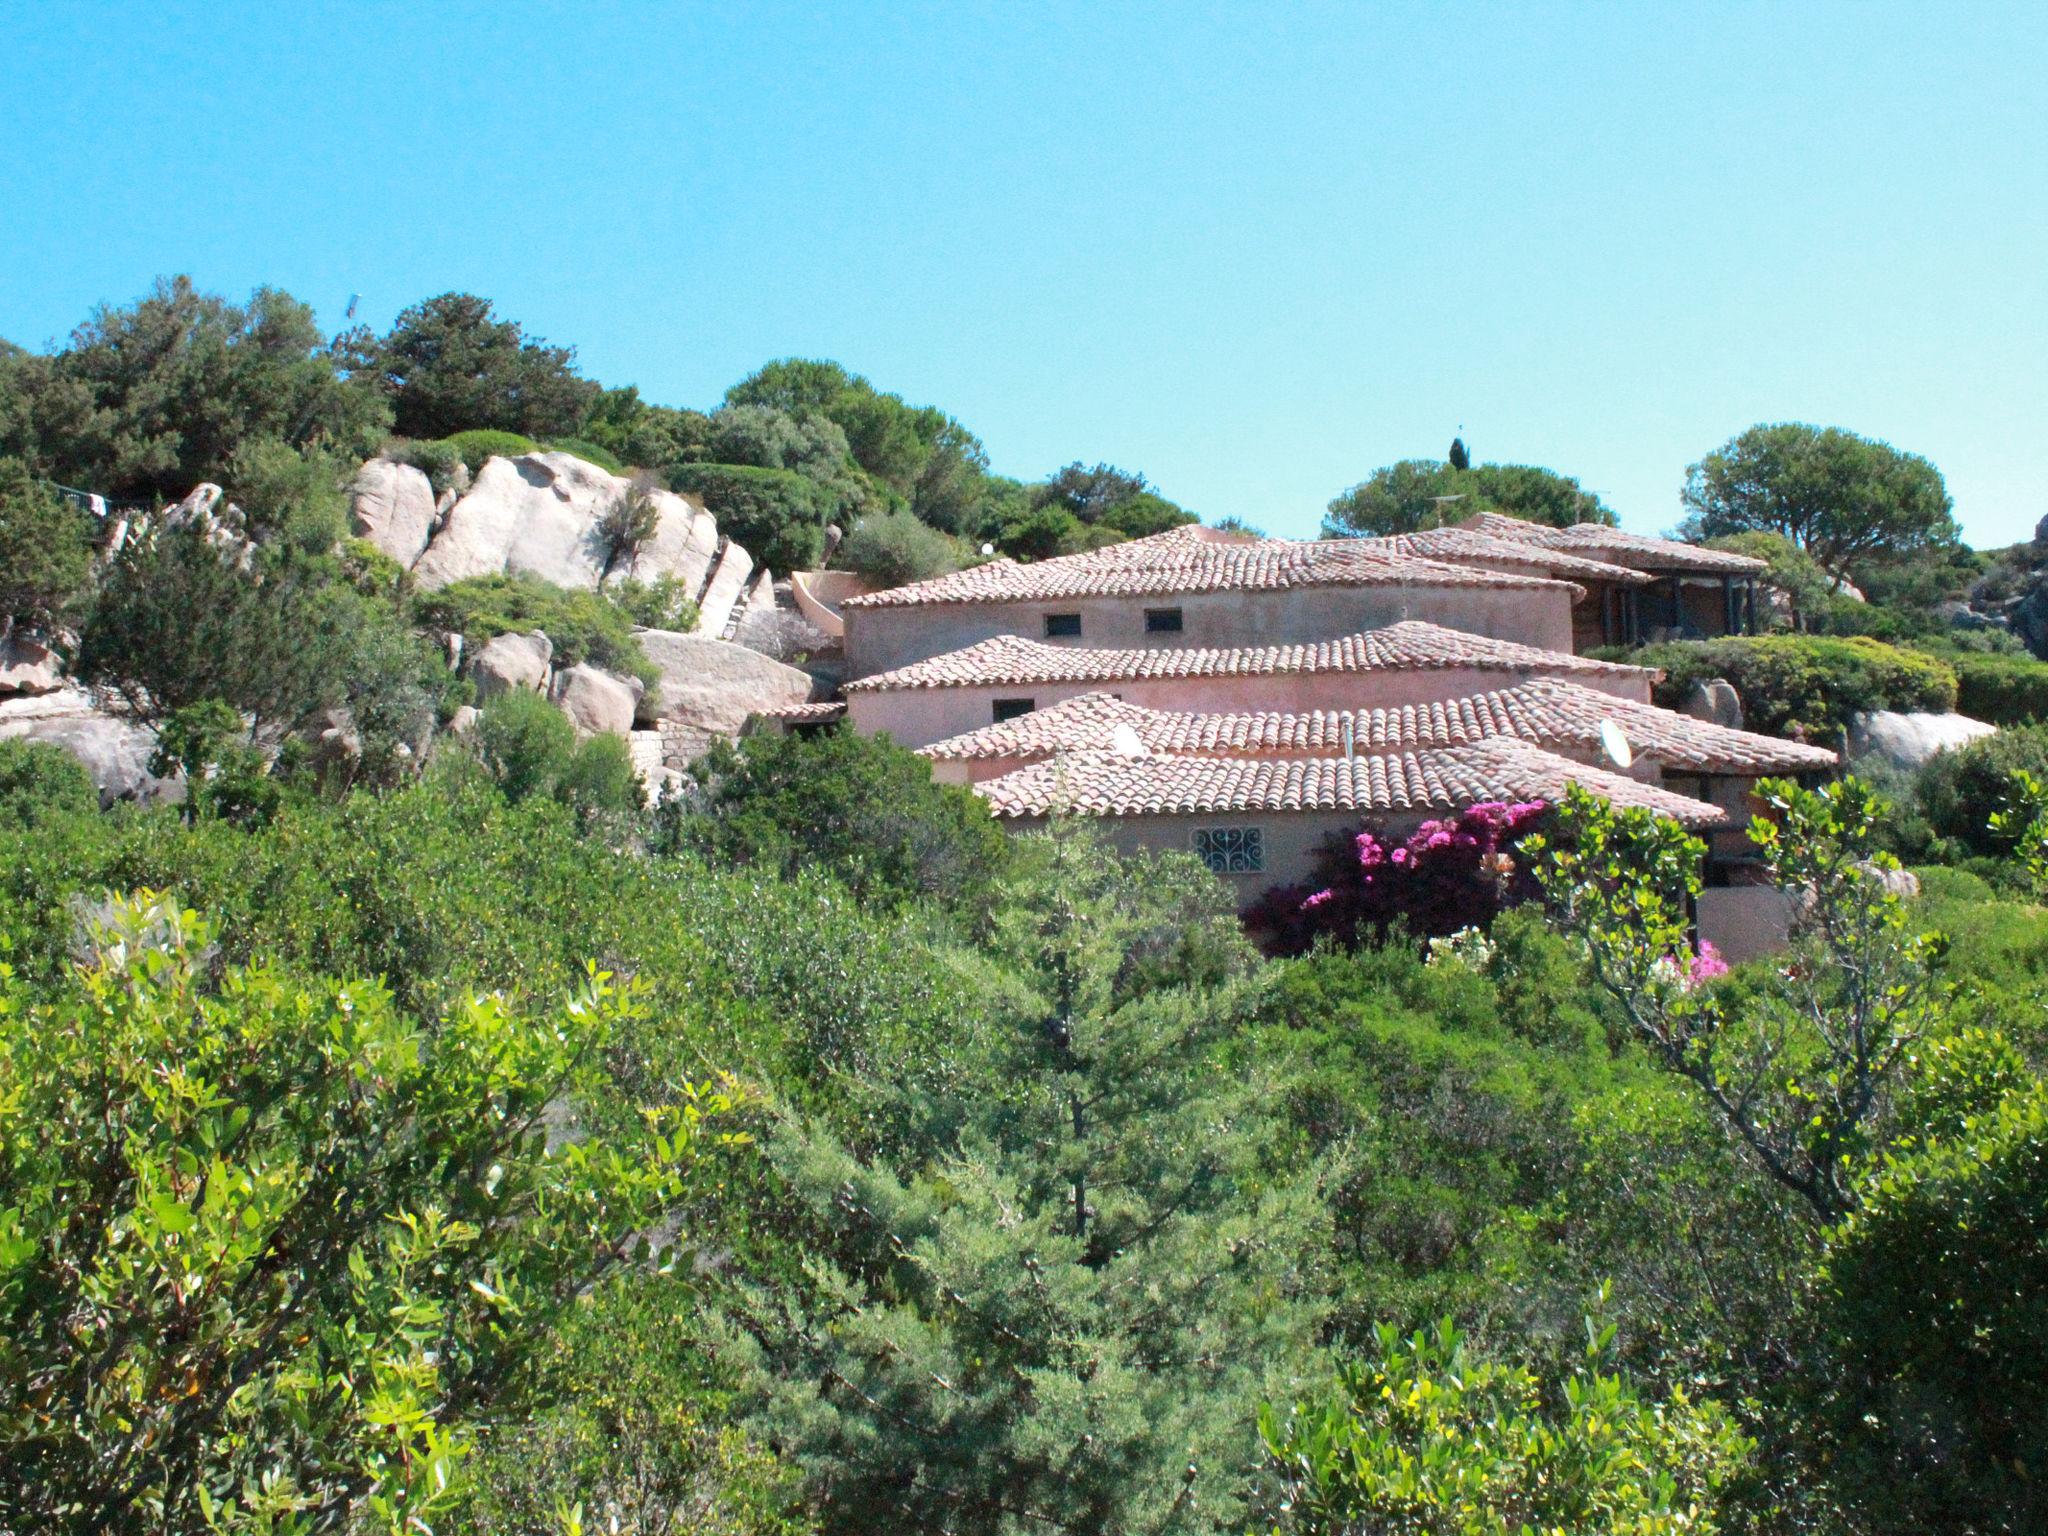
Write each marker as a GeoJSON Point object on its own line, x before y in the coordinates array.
{"type": "Point", "coordinates": [1231, 850]}
{"type": "Point", "coordinates": [1063, 626]}
{"type": "Point", "coordinates": [1162, 621]}
{"type": "Point", "coordinates": [1010, 709]}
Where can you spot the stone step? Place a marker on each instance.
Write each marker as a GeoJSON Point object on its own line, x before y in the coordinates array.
{"type": "Point", "coordinates": [724, 590]}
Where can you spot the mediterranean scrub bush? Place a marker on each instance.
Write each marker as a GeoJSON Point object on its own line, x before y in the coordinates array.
{"type": "Point", "coordinates": [254, 1276]}
{"type": "Point", "coordinates": [584, 626]}
{"type": "Point", "coordinates": [890, 549]}
{"type": "Point", "coordinates": [776, 515]}
{"type": "Point", "coordinates": [590, 453]}
{"type": "Point", "coordinates": [38, 781]}
{"type": "Point", "coordinates": [2005, 690]}
{"type": "Point", "coordinates": [478, 447]}
{"type": "Point", "coordinates": [859, 806]}
{"type": "Point", "coordinates": [1803, 684]}
{"type": "Point", "coordinates": [1960, 790]}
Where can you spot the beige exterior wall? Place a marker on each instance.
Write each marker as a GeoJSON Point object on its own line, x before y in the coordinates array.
{"type": "Point", "coordinates": [879, 639]}
{"type": "Point", "coordinates": [916, 717]}
{"type": "Point", "coordinates": [1292, 839]}
{"type": "Point", "coordinates": [1745, 922]}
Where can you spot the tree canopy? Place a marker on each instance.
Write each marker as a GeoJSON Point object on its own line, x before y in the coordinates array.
{"type": "Point", "coordinates": [1840, 497]}
{"type": "Point", "coordinates": [1427, 493]}
{"type": "Point", "coordinates": [449, 363]}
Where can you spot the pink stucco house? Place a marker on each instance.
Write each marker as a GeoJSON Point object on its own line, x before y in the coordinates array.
{"type": "Point", "coordinates": [1248, 698]}
{"type": "Point", "coordinates": [1198, 587]}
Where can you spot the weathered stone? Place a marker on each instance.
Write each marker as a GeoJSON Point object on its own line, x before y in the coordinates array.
{"type": "Point", "coordinates": [28, 667]}
{"type": "Point", "coordinates": [1910, 740]}
{"type": "Point", "coordinates": [682, 546]}
{"type": "Point", "coordinates": [536, 514]}
{"type": "Point", "coordinates": [464, 720]}
{"type": "Point", "coordinates": [115, 752]}
{"type": "Point", "coordinates": [596, 700]}
{"type": "Point", "coordinates": [649, 751]}
{"type": "Point", "coordinates": [512, 661]}
{"type": "Point", "coordinates": [1902, 883]}
{"type": "Point", "coordinates": [1716, 700]}
{"type": "Point", "coordinates": [392, 506]}
{"type": "Point", "coordinates": [709, 688]}
{"type": "Point", "coordinates": [2029, 619]}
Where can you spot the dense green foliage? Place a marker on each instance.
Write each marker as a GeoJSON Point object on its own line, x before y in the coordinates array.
{"type": "Point", "coordinates": [273, 1282]}
{"type": "Point", "coordinates": [1425, 493]}
{"type": "Point", "coordinates": [1961, 791]}
{"type": "Point", "coordinates": [449, 365]}
{"type": "Point", "coordinates": [777, 515]}
{"type": "Point", "coordinates": [2005, 690]}
{"type": "Point", "coordinates": [145, 402]}
{"type": "Point", "coordinates": [475, 446]}
{"type": "Point", "coordinates": [582, 626]}
{"type": "Point", "coordinates": [1801, 684]}
{"type": "Point", "coordinates": [859, 806]}
{"type": "Point", "coordinates": [45, 553]}
{"type": "Point", "coordinates": [1840, 497]}
{"type": "Point", "coordinates": [39, 781]}
{"type": "Point", "coordinates": [891, 549]}
{"type": "Point", "coordinates": [1427, 1441]}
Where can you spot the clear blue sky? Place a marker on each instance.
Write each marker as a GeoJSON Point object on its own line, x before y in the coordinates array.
{"type": "Point", "coordinates": [1253, 251]}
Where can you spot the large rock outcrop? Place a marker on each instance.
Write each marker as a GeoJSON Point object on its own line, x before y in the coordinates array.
{"type": "Point", "coordinates": [1909, 740]}
{"type": "Point", "coordinates": [393, 507]}
{"type": "Point", "coordinates": [507, 662]}
{"type": "Point", "coordinates": [710, 687]}
{"type": "Point", "coordinates": [598, 701]}
{"type": "Point", "coordinates": [544, 514]}
{"type": "Point", "coordinates": [27, 667]}
{"type": "Point", "coordinates": [115, 752]}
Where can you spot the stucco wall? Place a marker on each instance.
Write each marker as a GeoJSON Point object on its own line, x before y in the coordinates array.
{"type": "Point", "coordinates": [1744, 922]}
{"type": "Point", "coordinates": [878, 639]}
{"type": "Point", "coordinates": [1292, 840]}
{"type": "Point", "coordinates": [916, 717]}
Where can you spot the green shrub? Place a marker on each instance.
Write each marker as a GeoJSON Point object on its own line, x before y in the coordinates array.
{"type": "Point", "coordinates": [891, 549]}
{"type": "Point", "coordinates": [38, 781]}
{"type": "Point", "coordinates": [45, 552]}
{"type": "Point", "coordinates": [590, 453]}
{"type": "Point", "coordinates": [2005, 690]}
{"type": "Point", "coordinates": [526, 742]}
{"type": "Point", "coordinates": [859, 806]}
{"type": "Point", "coordinates": [600, 785]}
{"type": "Point", "coordinates": [1960, 790]}
{"type": "Point", "coordinates": [475, 448]}
{"type": "Point", "coordinates": [664, 603]}
{"type": "Point", "coordinates": [1803, 683]}
{"type": "Point", "coordinates": [440, 460]}
{"type": "Point", "coordinates": [776, 515]}
{"type": "Point", "coordinates": [584, 626]}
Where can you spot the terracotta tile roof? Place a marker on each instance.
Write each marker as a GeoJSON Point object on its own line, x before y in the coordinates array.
{"type": "Point", "coordinates": [1618, 546]}
{"type": "Point", "coordinates": [1008, 660]}
{"type": "Point", "coordinates": [1459, 545]}
{"type": "Point", "coordinates": [1192, 559]}
{"type": "Point", "coordinates": [821, 713]}
{"type": "Point", "coordinates": [1546, 711]}
{"type": "Point", "coordinates": [1432, 779]}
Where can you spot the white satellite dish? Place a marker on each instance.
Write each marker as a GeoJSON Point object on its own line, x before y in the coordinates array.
{"type": "Point", "coordinates": [988, 549]}
{"type": "Point", "coordinates": [1123, 741]}
{"type": "Point", "coordinates": [1619, 752]}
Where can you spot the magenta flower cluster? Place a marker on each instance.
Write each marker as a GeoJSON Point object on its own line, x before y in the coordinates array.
{"type": "Point", "coordinates": [1448, 874]}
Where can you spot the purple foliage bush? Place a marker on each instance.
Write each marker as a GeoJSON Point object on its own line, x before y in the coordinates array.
{"type": "Point", "coordinates": [1458, 872]}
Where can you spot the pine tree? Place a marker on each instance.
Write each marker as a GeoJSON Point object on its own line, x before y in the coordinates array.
{"type": "Point", "coordinates": [1064, 1315]}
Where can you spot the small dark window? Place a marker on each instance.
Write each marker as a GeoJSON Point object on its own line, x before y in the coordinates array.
{"type": "Point", "coordinates": [1010, 709]}
{"type": "Point", "coordinates": [1162, 621]}
{"type": "Point", "coordinates": [1061, 626]}
{"type": "Point", "coordinates": [1231, 850]}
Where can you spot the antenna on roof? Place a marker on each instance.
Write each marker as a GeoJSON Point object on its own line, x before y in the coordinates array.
{"type": "Point", "coordinates": [1615, 744]}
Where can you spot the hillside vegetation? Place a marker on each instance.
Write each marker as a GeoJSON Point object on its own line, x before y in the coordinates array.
{"type": "Point", "coordinates": [438, 1137]}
